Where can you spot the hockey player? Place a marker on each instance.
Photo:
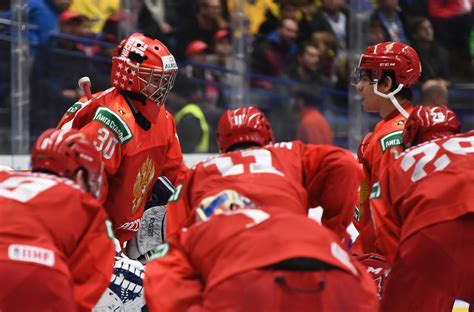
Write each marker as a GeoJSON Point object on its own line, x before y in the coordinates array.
{"type": "Point", "coordinates": [282, 177]}
{"type": "Point", "coordinates": [385, 73]}
{"type": "Point", "coordinates": [130, 127]}
{"type": "Point", "coordinates": [427, 221]}
{"type": "Point", "coordinates": [240, 258]}
{"type": "Point", "coordinates": [56, 250]}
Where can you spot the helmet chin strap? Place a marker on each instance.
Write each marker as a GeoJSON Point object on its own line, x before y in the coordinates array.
{"type": "Point", "coordinates": [391, 97]}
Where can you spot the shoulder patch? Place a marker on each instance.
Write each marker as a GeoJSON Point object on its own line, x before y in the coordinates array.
{"type": "Point", "coordinates": [74, 108]}
{"type": "Point", "coordinates": [392, 139]}
{"type": "Point", "coordinates": [160, 251]}
{"type": "Point", "coordinates": [112, 121]}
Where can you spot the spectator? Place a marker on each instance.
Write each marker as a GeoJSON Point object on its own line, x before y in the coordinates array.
{"type": "Point", "coordinates": [58, 87]}
{"type": "Point", "coordinates": [328, 47]}
{"type": "Point", "coordinates": [43, 15]}
{"type": "Point", "coordinates": [153, 19]}
{"type": "Point", "coordinates": [222, 58]}
{"type": "Point", "coordinates": [277, 51]}
{"type": "Point", "coordinates": [306, 68]}
{"type": "Point", "coordinates": [376, 33]}
{"type": "Point", "coordinates": [97, 11]}
{"type": "Point", "coordinates": [313, 128]}
{"type": "Point", "coordinates": [434, 92]}
{"type": "Point", "coordinates": [391, 19]}
{"type": "Point", "coordinates": [333, 18]}
{"type": "Point", "coordinates": [111, 33]}
{"type": "Point", "coordinates": [222, 50]}
{"type": "Point", "coordinates": [288, 9]}
{"type": "Point", "coordinates": [454, 17]}
{"type": "Point", "coordinates": [199, 74]}
{"type": "Point", "coordinates": [434, 58]}
{"type": "Point", "coordinates": [208, 20]}
{"type": "Point", "coordinates": [196, 120]}
{"type": "Point", "coordinates": [256, 12]}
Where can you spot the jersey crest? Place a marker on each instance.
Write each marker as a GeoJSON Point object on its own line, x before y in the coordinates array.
{"type": "Point", "coordinates": [142, 183]}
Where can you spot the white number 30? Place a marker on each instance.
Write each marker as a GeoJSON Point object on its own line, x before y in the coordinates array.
{"type": "Point", "coordinates": [105, 144]}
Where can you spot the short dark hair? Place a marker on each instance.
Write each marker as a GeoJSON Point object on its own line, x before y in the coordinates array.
{"type": "Point", "coordinates": [405, 93]}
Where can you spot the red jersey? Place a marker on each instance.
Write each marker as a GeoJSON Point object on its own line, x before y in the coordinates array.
{"type": "Point", "coordinates": [50, 222]}
{"type": "Point", "coordinates": [134, 157]}
{"type": "Point", "coordinates": [387, 135]}
{"type": "Point", "coordinates": [205, 254]}
{"type": "Point", "coordinates": [427, 184]}
{"type": "Point", "coordinates": [284, 177]}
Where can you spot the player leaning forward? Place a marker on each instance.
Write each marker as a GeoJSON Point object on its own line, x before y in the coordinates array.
{"type": "Point", "coordinates": [273, 257]}
{"type": "Point", "coordinates": [131, 128]}
{"type": "Point", "coordinates": [48, 261]}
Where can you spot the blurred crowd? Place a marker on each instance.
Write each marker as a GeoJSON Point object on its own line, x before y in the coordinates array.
{"type": "Point", "coordinates": [297, 54]}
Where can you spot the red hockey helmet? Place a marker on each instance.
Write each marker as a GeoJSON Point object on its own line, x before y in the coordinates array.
{"type": "Point", "coordinates": [243, 125]}
{"type": "Point", "coordinates": [428, 123]}
{"type": "Point", "coordinates": [63, 152]}
{"type": "Point", "coordinates": [144, 65]}
{"type": "Point", "coordinates": [396, 56]}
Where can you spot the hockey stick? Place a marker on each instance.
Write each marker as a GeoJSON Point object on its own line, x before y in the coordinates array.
{"type": "Point", "coordinates": [85, 84]}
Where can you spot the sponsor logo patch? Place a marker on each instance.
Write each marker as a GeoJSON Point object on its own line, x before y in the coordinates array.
{"type": "Point", "coordinates": [390, 140]}
{"type": "Point", "coordinates": [112, 121]}
{"type": "Point", "coordinates": [26, 253]}
{"type": "Point", "coordinates": [375, 193]}
{"type": "Point", "coordinates": [169, 62]}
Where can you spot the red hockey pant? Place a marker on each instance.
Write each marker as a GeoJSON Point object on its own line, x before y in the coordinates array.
{"type": "Point", "coordinates": [433, 267]}
{"type": "Point", "coordinates": [278, 290]}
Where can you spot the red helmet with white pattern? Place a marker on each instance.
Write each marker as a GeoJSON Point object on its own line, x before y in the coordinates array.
{"type": "Point", "coordinates": [243, 125]}
{"type": "Point", "coordinates": [396, 56]}
{"type": "Point", "coordinates": [144, 65]}
{"type": "Point", "coordinates": [428, 123]}
{"type": "Point", "coordinates": [63, 152]}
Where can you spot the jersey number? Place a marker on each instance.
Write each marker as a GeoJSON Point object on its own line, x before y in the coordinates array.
{"type": "Point", "coordinates": [460, 146]}
{"type": "Point", "coordinates": [23, 189]}
{"type": "Point", "coordinates": [262, 163]}
{"type": "Point", "coordinates": [105, 143]}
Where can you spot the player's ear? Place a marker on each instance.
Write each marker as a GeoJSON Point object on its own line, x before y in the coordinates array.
{"type": "Point", "coordinates": [385, 85]}
{"type": "Point", "coordinates": [81, 179]}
